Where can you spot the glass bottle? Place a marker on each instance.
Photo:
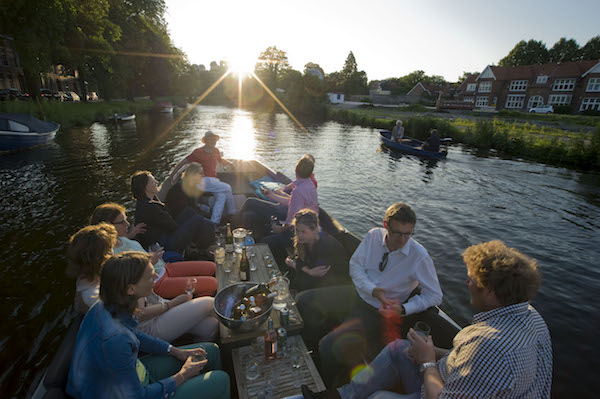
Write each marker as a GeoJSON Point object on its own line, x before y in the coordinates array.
{"type": "Point", "coordinates": [244, 266]}
{"type": "Point", "coordinates": [229, 239]}
{"type": "Point", "coordinates": [270, 341]}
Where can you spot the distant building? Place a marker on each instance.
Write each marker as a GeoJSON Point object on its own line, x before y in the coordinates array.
{"type": "Point", "coordinates": [11, 72]}
{"type": "Point", "coordinates": [375, 90]}
{"type": "Point", "coordinates": [432, 89]}
{"type": "Point", "coordinates": [573, 84]}
{"type": "Point", "coordinates": [336, 98]}
{"type": "Point", "coordinates": [316, 72]}
{"type": "Point", "coordinates": [60, 78]}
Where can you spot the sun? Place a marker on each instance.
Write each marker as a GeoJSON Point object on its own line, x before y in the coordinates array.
{"type": "Point", "coordinates": [242, 64]}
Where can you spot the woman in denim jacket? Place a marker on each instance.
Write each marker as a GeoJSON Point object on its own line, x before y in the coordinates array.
{"type": "Point", "coordinates": [105, 361]}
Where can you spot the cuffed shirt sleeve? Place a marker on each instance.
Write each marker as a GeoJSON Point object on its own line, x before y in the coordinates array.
{"type": "Point", "coordinates": [357, 267]}
{"type": "Point", "coordinates": [431, 294]}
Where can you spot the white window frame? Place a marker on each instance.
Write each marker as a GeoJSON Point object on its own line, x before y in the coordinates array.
{"type": "Point", "coordinates": [590, 103]}
{"type": "Point", "coordinates": [515, 101]}
{"type": "Point", "coordinates": [471, 86]}
{"type": "Point", "coordinates": [482, 101]}
{"type": "Point", "coordinates": [485, 87]}
{"type": "Point", "coordinates": [559, 99]}
{"type": "Point", "coordinates": [563, 85]}
{"type": "Point", "coordinates": [468, 99]}
{"type": "Point", "coordinates": [593, 85]}
{"type": "Point", "coordinates": [537, 98]}
{"type": "Point", "coordinates": [518, 85]}
{"type": "Point", "coordinates": [542, 79]}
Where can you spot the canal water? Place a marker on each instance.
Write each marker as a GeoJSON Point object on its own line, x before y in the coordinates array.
{"type": "Point", "coordinates": [551, 214]}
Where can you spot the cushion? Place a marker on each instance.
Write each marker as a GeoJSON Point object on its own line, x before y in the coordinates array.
{"type": "Point", "coordinates": [266, 182]}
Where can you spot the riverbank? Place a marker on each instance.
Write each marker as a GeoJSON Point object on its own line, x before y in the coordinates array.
{"type": "Point", "coordinates": [75, 114]}
{"type": "Point", "coordinates": [549, 145]}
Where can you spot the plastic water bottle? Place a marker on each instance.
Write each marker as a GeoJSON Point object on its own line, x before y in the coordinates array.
{"type": "Point", "coordinates": [249, 239]}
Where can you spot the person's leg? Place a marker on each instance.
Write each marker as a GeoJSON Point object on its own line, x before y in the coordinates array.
{"type": "Point", "coordinates": [391, 365]}
{"type": "Point", "coordinates": [210, 385]}
{"type": "Point", "coordinates": [223, 197]}
{"type": "Point", "coordinates": [255, 215]}
{"type": "Point", "coordinates": [278, 244]}
{"type": "Point", "coordinates": [169, 287]}
{"type": "Point", "coordinates": [164, 365]}
{"type": "Point", "coordinates": [181, 319]}
{"type": "Point", "coordinates": [322, 309]}
{"type": "Point", "coordinates": [192, 227]}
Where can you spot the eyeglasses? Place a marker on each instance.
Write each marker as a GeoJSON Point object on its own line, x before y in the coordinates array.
{"type": "Point", "coordinates": [383, 262]}
{"type": "Point", "coordinates": [124, 221]}
{"type": "Point", "coordinates": [400, 233]}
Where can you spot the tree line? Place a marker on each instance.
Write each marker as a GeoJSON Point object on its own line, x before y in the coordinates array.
{"type": "Point", "coordinates": [565, 50]}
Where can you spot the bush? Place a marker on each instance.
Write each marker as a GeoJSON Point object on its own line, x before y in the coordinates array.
{"type": "Point", "coordinates": [563, 109]}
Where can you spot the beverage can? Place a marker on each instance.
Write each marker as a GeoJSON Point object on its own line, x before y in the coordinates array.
{"type": "Point", "coordinates": [281, 337]}
{"type": "Point", "coordinates": [284, 317]}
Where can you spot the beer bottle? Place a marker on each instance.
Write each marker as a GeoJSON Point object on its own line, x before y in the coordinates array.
{"type": "Point", "coordinates": [229, 239]}
{"type": "Point", "coordinates": [262, 298]}
{"type": "Point", "coordinates": [270, 341]}
{"type": "Point", "coordinates": [262, 288]}
{"type": "Point", "coordinates": [241, 313]}
{"type": "Point", "coordinates": [244, 266]}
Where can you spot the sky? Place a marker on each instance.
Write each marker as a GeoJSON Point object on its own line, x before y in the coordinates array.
{"type": "Point", "coordinates": [389, 38]}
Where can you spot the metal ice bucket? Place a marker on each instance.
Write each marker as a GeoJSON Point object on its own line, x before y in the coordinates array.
{"type": "Point", "coordinates": [228, 297]}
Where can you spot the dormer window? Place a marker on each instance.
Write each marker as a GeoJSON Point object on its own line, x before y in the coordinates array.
{"type": "Point", "coordinates": [518, 85]}
{"type": "Point", "coordinates": [471, 86]}
{"type": "Point", "coordinates": [541, 80]}
{"type": "Point", "coordinates": [564, 85]}
{"type": "Point", "coordinates": [485, 87]}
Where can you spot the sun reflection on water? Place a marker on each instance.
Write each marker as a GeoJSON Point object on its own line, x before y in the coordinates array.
{"type": "Point", "coordinates": [243, 138]}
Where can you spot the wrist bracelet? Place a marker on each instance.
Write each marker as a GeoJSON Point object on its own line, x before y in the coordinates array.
{"type": "Point", "coordinates": [169, 348]}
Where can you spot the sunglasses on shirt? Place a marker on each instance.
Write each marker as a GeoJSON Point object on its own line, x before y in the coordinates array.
{"type": "Point", "coordinates": [383, 262]}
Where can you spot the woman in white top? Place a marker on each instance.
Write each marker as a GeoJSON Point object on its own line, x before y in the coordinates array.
{"type": "Point", "coordinates": [398, 131]}
{"type": "Point", "coordinates": [91, 246]}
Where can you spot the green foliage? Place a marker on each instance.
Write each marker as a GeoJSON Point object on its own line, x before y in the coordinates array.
{"type": "Point", "coordinates": [402, 85]}
{"type": "Point", "coordinates": [306, 97]}
{"type": "Point", "coordinates": [564, 51]}
{"type": "Point", "coordinates": [591, 50]}
{"type": "Point", "coordinates": [349, 80]}
{"type": "Point", "coordinates": [563, 109]}
{"type": "Point", "coordinates": [526, 53]}
{"type": "Point", "coordinates": [271, 65]}
{"type": "Point", "coordinates": [74, 114]}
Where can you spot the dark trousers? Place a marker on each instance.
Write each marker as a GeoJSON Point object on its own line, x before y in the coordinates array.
{"type": "Point", "coordinates": [256, 216]}
{"type": "Point", "coordinates": [192, 228]}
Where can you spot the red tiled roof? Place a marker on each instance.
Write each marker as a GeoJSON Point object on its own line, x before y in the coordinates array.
{"type": "Point", "coordinates": [530, 72]}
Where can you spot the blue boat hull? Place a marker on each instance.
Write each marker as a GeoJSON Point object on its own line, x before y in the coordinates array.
{"type": "Point", "coordinates": [11, 141]}
{"type": "Point", "coordinates": [409, 146]}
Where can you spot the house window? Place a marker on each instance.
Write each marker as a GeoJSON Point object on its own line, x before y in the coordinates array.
{"type": "Point", "coordinates": [542, 80]}
{"type": "Point", "coordinates": [535, 101]}
{"type": "Point", "coordinates": [471, 86]}
{"type": "Point", "coordinates": [564, 85]}
{"type": "Point", "coordinates": [485, 87]}
{"type": "Point", "coordinates": [593, 84]}
{"type": "Point", "coordinates": [468, 99]}
{"type": "Point", "coordinates": [518, 85]}
{"type": "Point", "coordinates": [482, 101]}
{"type": "Point", "coordinates": [515, 101]}
{"type": "Point", "coordinates": [559, 99]}
{"type": "Point", "coordinates": [590, 104]}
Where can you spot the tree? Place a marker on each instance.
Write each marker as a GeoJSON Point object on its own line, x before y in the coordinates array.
{"type": "Point", "coordinates": [353, 80]}
{"type": "Point", "coordinates": [564, 51]}
{"type": "Point", "coordinates": [591, 50]}
{"type": "Point", "coordinates": [272, 63]}
{"type": "Point", "coordinates": [465, 75]}
{"type": "Point", "coordinates": [312, 65]}
{"type": "Point", "coordinates": [350, 66]}
{"type": "Point", "coordinates": [526, 53]}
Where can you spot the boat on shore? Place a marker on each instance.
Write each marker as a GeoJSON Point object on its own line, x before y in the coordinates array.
{"type": "Point", "coordinates": [410, 146]}
{"type": "Point", "coordinates": [443, 328]}
{"type": "Point", "coordinates": [124, 117]}
{"type": "Point", "coordinates": [23, 131]}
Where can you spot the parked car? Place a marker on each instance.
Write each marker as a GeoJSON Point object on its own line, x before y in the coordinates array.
{"type": "Point", "coordinates": [13, 94]}
{"type": "Point", "coordinates": [69, 96]}
{"type": "Point", "coordinates": [49, 94]}
{"type": "Point", "coordinates": [92, 96]}
{"type": "Point", "coordinates": [542, 109]}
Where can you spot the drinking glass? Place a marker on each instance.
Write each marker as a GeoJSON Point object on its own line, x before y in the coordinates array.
{"type": "Point", "coordinates": [220, 238]}
{"type": "Point", "coordinates": [154, 247]}
{"type": "Point", "coordinates": [227, 264]}
{"type": "Point", "coordinates": [252, 370]}
{"type": "Point", "coordinates": [422, 329]}
{"type": "Point", "coordinates": [190, 286]}
{"type": "Point", "coordinates": [258, 345]}
{"type": "Point", "coordinates": [220, 255]}
{"type": "Point", "coordinates": [239, 237]}
{"type": "Point", "coordinates": [282, 288]}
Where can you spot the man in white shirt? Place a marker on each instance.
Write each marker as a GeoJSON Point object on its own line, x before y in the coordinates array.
{"type": "Point", "coordinates": [386, 268]}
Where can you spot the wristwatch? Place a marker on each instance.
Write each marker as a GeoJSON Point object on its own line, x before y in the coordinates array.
{"type": "Point", "coordinates": [171, 347]}
{"type": "Point", "coordinates": [425, 366]}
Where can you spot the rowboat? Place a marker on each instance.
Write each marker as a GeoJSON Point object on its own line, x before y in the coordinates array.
{"type": "Point", "coordinates": [22, 131]}
{"type": "Point", "coordinates": [124, 117]}
{"type": "Point", "coordinates": [409, 146]}
{"type": "Point", "coordinates": [443, 328]}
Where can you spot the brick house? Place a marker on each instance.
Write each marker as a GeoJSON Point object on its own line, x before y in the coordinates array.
{"type": "Point", "coordinates": [432, 89]}
{"type": "Point", "coordinates": [575, 84]}
{"type": "Point", "coordinates": [11, 72]}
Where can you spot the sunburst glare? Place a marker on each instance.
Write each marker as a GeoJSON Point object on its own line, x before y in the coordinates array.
{"type": "Point", "coordinates": [243, 140]}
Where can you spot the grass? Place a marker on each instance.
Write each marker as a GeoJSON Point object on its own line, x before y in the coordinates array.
{"type": "Point", "coordinates": [524, 140]}
{"type": "Point", "coordinates": [72, 114]}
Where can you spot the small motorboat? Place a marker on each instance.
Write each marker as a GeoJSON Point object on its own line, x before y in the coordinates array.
{"type": "Point", "coordinates": [22, 131]}
{"type": "Point", "coordinates": [410, 146]}
{"type": "Point", "coordinates": [124, 117]}
{"type": "Point", "coordinates": [166, 108]}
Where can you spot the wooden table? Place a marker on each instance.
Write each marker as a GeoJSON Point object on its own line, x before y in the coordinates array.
{"type": "Point", "coordinates": [280, 372]}
{"type": "Point", "coordinates": [261, 274]}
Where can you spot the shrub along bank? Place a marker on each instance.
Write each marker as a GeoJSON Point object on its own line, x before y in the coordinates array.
{"type": "Point", "coordinates": [517, 140]}
{"type": "Point", "coordinates": [71, 114]}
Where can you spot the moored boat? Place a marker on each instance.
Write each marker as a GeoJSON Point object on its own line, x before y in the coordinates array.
{"type": "Point", "coordinates": [442, 326]}
{"type": "Point", "coordinates": [410, 146]}
{"type": "Point", "coordinates": [124, 117]}
{"type": "Point", "coordinates": [22, 131]}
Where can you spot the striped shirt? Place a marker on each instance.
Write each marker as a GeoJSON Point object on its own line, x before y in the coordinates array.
{"type": "Point", "coordinates": [505, 353]}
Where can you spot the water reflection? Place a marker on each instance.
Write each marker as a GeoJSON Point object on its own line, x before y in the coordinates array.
{"type": "Point", "coordinates": [243, 136]}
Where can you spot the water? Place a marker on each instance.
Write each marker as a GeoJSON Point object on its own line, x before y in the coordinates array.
{"type": "Point", "coordinates": [552, 214]}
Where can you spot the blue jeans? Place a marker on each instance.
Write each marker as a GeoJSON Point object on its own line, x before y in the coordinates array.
{"type": "Point", "coordinates": [224, 202]}
{"type": "Point", "coordinates": [385, 371]}
{"type": "Point", "coordinates": [256, 213]}
{"type": "Point", "coordinates": [193, 227]}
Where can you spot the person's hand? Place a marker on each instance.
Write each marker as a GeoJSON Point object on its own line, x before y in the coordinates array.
{"type": "Point", "coordinates": [194, 361]}
{"type": "Point", "coordinates": [421, 350]}
{"type": "Point", "coordinates": [379, 294]}
{"type": "Point", "coordinates": [156, 256]}
{"type": "Point", "coordinates": [179, 299]}
{"type": "Point", "coordinates": [290, 262]}
{"type": "Point", "coordinates": [318, 271]}
{"type": "Point", "coordinates": [277, 229]}
{"type": "Point", "coordinates": [139, 228]}
{"type": "Point", "coordinates": [265, 191]}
